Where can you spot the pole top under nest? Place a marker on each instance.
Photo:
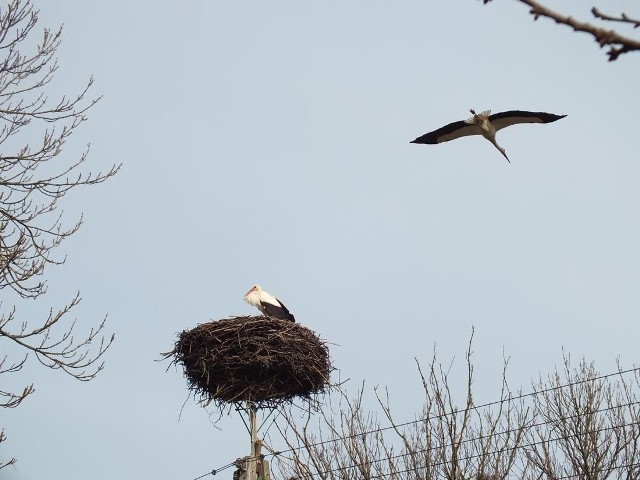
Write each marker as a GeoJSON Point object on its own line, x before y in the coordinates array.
{"type": "Point", "coordinates": [259, 359]}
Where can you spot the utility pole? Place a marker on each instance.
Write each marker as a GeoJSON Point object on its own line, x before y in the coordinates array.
{"type": "Point", "coordinates": [253, 466]}
{"type": "Point", "coordinates": [252, 463]}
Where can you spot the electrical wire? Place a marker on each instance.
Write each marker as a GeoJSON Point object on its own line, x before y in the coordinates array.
{"type": "Point", "coordinates": [437, 417]}
{"type": "Point", "coordinates": [461, 459]}
{"type": "Point", "coordinates": [216, 470]}
{"type": "Point", "coordinates": [456, 412]}
{"type": "Point", "coordinates": [504, 432]}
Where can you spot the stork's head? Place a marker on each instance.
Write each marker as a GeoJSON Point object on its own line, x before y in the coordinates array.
{"type": "Point", "coordinates": [255, 288]}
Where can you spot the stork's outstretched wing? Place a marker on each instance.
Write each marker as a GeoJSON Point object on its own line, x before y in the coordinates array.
{"type": "Point", "coordinates": [449, 132]}
{"type": "Point", "coordinates": [513, 117]}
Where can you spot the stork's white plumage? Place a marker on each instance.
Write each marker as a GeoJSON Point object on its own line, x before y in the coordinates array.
{"type": "Point", "coordinates": [267, 303]}
{"type": "Point", "coordinates": [486, 125]}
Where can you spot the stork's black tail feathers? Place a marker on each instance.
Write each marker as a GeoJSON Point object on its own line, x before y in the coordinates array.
{"type": "Point", "coordinates": [276, 311]}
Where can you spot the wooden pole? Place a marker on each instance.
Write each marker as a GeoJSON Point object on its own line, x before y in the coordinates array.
{"type": "Point", "coordinates": [252, 464]}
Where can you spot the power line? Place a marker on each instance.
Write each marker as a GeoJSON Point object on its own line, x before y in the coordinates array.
{"type": "Point", "coordinates": [216, 470]}
{"type": "Point", "coordinates": [470, 457]}
{"type": "Point", "coordinates": [565, 477]}
{"type": "Point", "coordinates": [437, 417]}
{"type": "Point", "coordinates": [504, 432]}
{"type": "Point", "coordinates": [447, 414]}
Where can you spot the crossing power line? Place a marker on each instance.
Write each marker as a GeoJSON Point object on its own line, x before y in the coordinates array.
{"type": "Point", "coordinates": [451, 413]}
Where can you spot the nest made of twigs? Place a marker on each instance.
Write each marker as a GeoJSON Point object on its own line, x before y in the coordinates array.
{"type": "Point", "coordinates": [259, 359]}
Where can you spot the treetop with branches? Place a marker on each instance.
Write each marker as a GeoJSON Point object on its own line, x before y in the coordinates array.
{"type": "Point", "coordinates": [35, 177]}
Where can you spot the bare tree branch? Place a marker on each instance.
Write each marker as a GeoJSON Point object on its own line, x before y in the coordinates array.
{"type": "Point", "coordinates": [576, 424]}
{"type": "Point", "coordinates": [13, 399]}
{"type": "Point", "coordinates": [446, 441]}
{"type": "Point", "coordinates": [8, 462]}
{"type": "Point", "coordinates": [617, 43]}
{"type": "Point", "coordinates": [588, 425]}
{"type": "Point", "coordinates": [34, 179]}
{"type": "Point", "coordinates": [65, 352]}
{"type": "Point", "coordinates": [623, 18]}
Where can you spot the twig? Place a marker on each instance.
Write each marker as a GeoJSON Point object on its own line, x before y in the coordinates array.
{"type": "Point", "coordinates": [622, 18]}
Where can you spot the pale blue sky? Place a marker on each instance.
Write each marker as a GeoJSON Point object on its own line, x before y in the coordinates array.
{"type": "Point", "coordinates": [268, 142]}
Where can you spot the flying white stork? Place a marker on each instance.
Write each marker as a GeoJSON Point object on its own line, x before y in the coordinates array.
{"type": "Point", "coordinates": [267, 304]}
{"type": "Point", "coordinates": [486, 125]}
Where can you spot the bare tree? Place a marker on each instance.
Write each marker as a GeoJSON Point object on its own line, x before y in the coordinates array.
{"type": "Point", "coordinates": [34, 178]}
{"type": "Point", "coordinates": [589, 425]}
{"type": "Point", "coordinates": [447, 441]}
{"type": "Point", "coordinates": [617, 43]}
{"type": "Point", "coordinates": [577, 424]}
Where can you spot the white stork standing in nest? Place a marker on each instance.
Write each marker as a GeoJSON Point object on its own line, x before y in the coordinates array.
{"type": "Point", "coordinates": [486, 125]}
{"type": "Point", "coordinates": [267, 304]}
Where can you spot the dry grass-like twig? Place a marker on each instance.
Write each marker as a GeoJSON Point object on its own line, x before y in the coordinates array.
{"type": "Point", "coordinates": [260, 359]}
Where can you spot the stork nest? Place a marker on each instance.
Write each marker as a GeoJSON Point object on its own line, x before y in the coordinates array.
{"type": "Point", "coordinates": [260, 359]}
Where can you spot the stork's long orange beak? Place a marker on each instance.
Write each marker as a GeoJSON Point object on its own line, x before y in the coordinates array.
{"type": "Point", "coordinates": [251, 290]}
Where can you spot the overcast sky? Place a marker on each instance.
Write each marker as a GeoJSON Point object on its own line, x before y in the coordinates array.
{"type": "Point", "coordinates": [268, 142]}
